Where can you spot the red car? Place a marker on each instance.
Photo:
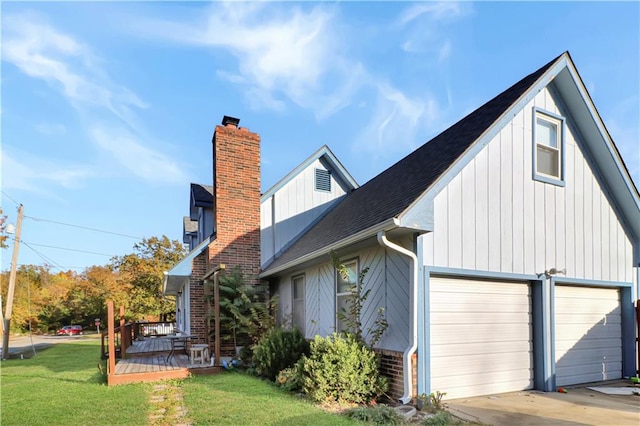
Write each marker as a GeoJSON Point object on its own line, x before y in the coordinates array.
{"type": "Point", "coordinates": [70, 330]}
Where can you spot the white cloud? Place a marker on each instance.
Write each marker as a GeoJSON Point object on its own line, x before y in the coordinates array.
{"type": "Point", "coordinates": [283, 54]}
{"type": "Point", "coordinates": [297, 55]}
{"type": "Point", "coordinates": [424, 23]}
{"type": "Point", "coordinates": [70, 67]}
{"type": "Point", "coordinates": [41, 51]}
{"type": "Point", "coordinates": [396, 121]}
{"type": "Point", "coordinates": [137, 159]}
{"type": "Point", "coordinates": [24, 171]}
{"type": "Point", "coordinates": [435, 11]}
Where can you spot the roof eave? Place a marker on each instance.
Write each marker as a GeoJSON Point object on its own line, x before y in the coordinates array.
{"type": "Point", "coordinates": [387, 225]}
{"type": "Point", "coordinates": [175, 278]}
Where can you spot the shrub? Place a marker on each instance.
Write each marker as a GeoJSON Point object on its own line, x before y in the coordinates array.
{"type": "Point", "coordinates": [278, 349]}
{"type": "Point", "coordinates": [290, 379]}
{"type": "Point", "coordinates": [378, 415]}
{"type": "Point", "coordinates": [432, 402]}
{"type": "Point", "coordinates": [342, 369]}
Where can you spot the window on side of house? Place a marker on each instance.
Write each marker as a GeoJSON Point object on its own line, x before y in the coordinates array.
{"type": "Point", "coordinates": [548, 136]}
{"type": "Point", "coordinates": [322, 181]}
{"type": "Point", "coordinates": [298, 302]}
{"type": "Point", "coordinates": [345, 286]}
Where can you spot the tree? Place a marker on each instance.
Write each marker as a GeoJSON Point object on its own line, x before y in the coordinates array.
{"type": "Point", "coordinates": [3, 230]}
{"type": "Point", "coordinates": [142, 273]}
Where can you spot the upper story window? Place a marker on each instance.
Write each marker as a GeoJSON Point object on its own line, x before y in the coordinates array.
{"type": "Point", "coordinates": [322, 180]}
{"type": "Point", "coordinates": [548, 147]}
{"type": "Point", "coordinates": [346, 285]}
{"type": "Point", "coordinates": [298, 302]}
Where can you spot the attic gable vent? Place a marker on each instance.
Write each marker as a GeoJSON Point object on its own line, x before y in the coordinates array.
{"type": "Point", "coordinates": [323, 180]}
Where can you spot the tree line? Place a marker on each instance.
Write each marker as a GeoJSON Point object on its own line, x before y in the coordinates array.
{"type": "Point", "coordinates": [46, 300]}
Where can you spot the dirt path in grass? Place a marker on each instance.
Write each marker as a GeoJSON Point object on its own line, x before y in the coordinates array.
{"type": "Point", "coordinates": [167, 400]}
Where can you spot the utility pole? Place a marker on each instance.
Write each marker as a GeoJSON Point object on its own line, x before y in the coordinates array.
{"type": "Point", "coordinates": [12, 287]}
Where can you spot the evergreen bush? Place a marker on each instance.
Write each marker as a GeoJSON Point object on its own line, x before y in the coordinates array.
{"type": "Point", "coordinates": [278, 349]}
{"type": "Point", "coordinates": [341, 369]}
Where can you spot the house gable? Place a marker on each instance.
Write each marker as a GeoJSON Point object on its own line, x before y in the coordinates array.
{"type": "Point", "coordinates": [298, 200]}
{"type": "Point", "coordinates": [494, 216]}
{"type": "Point", "coordinates": [587, 126]}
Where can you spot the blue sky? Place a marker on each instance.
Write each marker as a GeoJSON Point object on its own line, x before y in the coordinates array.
{"type": "Point", "coordinates": [108, 108]}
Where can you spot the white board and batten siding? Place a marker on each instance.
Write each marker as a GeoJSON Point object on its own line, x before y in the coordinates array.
{"type": "Point", "coordinates": [292, 208]}
{"type": "Point", "coordinates": [388, 280]}
{"type": "Point", "coordinates": [588, 334]}
{"type": "Point", "coordinates": [493, 216]}
{"type": "Point", "coordinates": [481, 337]}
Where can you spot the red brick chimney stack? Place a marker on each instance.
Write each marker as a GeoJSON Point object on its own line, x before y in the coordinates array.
{"type": "Point", "coordinates": [236, 183]}
{"type": "Point", "coordinates": [236, 206]}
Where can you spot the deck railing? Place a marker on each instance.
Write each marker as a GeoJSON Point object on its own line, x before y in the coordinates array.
{"type": "Point", "coordinates": [150, 329]}
{"type": "Point", "coordinates": [123, 336]}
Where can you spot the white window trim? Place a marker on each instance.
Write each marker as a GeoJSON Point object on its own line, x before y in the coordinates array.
{"type": "Point", "coordinates": [304, 303]}
{"type": "Point", "coordinates": [559, 121]}
{"type": "Point", "coordinates": [342, 294]}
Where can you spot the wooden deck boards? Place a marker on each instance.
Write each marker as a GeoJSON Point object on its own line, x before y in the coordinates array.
{"type": "Point", "coordinates": [147, 361]}
{"type": "Point", "coordinates": [149, 345]}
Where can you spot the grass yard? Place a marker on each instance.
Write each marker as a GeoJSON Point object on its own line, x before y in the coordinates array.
{"type": "Point", "coordinates": [238, 399]}
{"type": "Point", "coordinates": [62, 386]}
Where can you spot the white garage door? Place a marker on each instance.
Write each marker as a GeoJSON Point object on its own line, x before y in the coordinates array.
{"type": "Point", "coordinates": [588, 334]}
{"type": "Point", "coordinates": [481, 338]}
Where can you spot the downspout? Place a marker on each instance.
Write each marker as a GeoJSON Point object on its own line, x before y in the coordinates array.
{"type": "Point", "coordinates": [406, 356]}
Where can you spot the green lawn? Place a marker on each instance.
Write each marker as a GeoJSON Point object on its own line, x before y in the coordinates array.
{"type": "Point", "coordinates": [237, 399]}
{"type": "Point", "coordinates": [63, 386]}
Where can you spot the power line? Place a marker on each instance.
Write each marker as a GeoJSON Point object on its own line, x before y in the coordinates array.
{"type": "Point", "coordinates": [70, 249]}
{"type": "Point", "coordinates": [43, 257]}
{"type": "Point", "coordinates": [11, 198]}
{"type": "Point", "coordinates": [38, 219]}
{"type": "Point", "coordinates": [61, 266]}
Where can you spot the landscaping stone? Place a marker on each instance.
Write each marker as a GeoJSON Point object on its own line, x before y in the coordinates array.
{"type": "Point", "coordinates": [406, 411]}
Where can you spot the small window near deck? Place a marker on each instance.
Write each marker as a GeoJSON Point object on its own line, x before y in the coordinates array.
{"type": "Point", "coordinates": [323, 180]}
{"type": "Point", "coordinates": [548, 148]}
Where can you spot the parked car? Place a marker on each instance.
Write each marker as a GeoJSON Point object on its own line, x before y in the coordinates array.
{"type": "Point", "coordinates": [70, 330]}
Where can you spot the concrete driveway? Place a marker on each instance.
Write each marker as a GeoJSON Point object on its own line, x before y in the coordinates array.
{"type": "Point", "coordinates": [580, 406]}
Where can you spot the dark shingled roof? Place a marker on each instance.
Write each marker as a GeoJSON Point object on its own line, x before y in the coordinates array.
{"type": "Point", "coordinates": [202, 194]}
{"type": "Point", "coordinates": [392, 191]}
{"type": "Point", "coordinates": [189, 225]}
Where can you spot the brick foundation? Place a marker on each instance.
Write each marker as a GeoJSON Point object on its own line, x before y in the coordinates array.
{"type": "Point", "coordinates": [391, 366]}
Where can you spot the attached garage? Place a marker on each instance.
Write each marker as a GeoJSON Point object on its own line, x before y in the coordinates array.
{"type": "Point", "coordinates": [588, 334]}
{"type": "Point", "coordinates": [481, 336]}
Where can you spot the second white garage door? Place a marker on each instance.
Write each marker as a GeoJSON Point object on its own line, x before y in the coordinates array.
{"type": "Point", "coordinates": [481, 337]}
{"type": "Point", "coordinates": [588, 334]}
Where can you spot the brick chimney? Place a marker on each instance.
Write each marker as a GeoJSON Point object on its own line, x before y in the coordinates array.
{"type": "Point", "coordinates": [236, 195]}
{"type": "Point", "coordinates": [236, 209]}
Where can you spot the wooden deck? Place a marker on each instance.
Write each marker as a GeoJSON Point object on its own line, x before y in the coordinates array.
{"type": "Point", "coordinates": [148, 361]}
{"type": "Point", "coordinates": [149, 345]}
